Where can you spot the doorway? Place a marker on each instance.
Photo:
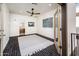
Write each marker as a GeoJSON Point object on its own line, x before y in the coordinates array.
{"type": "Point", "coordinates": [60, 29]}
{"type": "Point", "coordinates": [57, 30]}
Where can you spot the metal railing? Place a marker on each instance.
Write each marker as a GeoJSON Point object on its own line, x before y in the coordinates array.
{"type": "Point", "coordinates": [74, 44]}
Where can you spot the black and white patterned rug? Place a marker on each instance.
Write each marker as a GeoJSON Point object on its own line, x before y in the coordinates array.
{"type": "Point", "coordinates": [12, 49]}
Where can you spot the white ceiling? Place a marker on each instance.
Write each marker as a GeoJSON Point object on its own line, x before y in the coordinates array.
{"type": "Point", "coordinates": [21, 8]}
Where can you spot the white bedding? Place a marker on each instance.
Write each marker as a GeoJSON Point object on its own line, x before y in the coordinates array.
{"type": "Point", "coordinates": [31, 44]}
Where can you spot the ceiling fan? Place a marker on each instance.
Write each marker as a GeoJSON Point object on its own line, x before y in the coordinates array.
{"type": "Point", "coordinates": [32, 12]}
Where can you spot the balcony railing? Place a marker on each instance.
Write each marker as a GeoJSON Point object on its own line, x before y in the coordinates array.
{"type": "Point", "coordinates": [74, 44]}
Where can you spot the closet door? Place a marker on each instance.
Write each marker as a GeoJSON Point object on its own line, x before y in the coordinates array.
{"type": "Point", "coordinates": [58, 30]}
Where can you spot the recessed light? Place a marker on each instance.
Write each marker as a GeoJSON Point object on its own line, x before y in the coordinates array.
{"type": "Point", "coordinates": [50, 4]}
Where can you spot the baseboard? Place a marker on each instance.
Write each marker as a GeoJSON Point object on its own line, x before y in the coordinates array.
{"type": "Point", "coordinates": [27, 35]}
{"type": "Point", "coordinates": [38, 35]}
{"type": "Point", "coordinates": [44, 37]}
{"type": "Point", "coordinates": [23, 35]}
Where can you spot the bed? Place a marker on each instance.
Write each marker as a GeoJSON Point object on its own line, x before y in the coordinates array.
{"type": "Point", "coordinates": [31, 44]}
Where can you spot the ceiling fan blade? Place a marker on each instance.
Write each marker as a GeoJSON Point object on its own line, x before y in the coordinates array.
{"type": "Point", "coordinates": [28, 12]}
{"type": "Point", "coordinates": [36, 13]}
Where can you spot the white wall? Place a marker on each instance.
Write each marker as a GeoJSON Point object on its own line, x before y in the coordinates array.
{"type": "Point", "coordinates": [77, 21]}
{"type": "Point", "coordinates": [5, 18]}
{"type": "Point", "coordinates": [15, 22]}
{"type": "Point", "coordinates": [49, 32]}
{"type": "Point", "coordinates": [71, 24]}
{"type": "Point", "coordinates": [0, 19]}
{"type": "Point", "coordinates": [77, 24]}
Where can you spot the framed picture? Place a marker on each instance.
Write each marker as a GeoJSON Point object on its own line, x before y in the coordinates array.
{"type": "Point", "coordinates": [31, 24]}
{"type": "Point", "coordinates": [48, 22]}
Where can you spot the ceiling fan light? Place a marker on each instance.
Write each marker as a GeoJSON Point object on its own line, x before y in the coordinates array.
{"type": "Point", "coordinates": [34, 3]}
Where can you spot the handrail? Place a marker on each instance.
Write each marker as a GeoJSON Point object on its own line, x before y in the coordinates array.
{"type": "Point", "coordinates": [74, 36]}
{"type": "Point", "coordinates": [75, 33]}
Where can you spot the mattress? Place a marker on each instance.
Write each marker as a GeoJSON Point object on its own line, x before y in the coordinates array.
{"type": "Point", "coordinates": [31, 44]}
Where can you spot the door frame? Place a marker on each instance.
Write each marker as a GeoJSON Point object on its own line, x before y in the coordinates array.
{"type": "Point", "coordinates": [64, 28]}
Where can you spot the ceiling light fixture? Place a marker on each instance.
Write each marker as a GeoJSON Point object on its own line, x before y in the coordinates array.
{"type": "Point", "coordinates": [50, 5]}
{"type": "Point", "coordinates": [34, 3]}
